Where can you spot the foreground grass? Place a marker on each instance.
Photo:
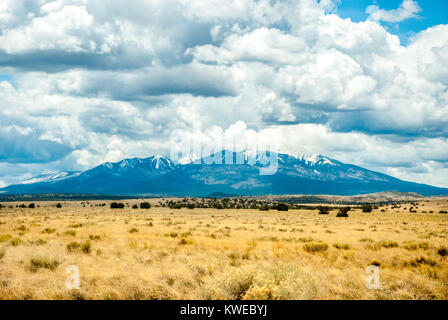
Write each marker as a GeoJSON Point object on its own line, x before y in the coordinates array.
{"type": "Point", "coordinates": [164, 253]}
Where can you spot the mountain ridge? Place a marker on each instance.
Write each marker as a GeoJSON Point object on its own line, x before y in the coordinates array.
{"type": "Point", "coordinates": [238, 173]}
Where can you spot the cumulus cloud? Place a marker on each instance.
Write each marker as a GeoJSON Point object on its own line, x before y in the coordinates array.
{"type": "Point", "coordinates": [408, 9]}
{"type": "Point", "coordinates": [98, 81]}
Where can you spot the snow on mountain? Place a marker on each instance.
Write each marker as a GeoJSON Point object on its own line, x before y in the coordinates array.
{"type": "Point", "coordinates": [51, 177]}
{"type": "Point", "coordinates": [227, 172]}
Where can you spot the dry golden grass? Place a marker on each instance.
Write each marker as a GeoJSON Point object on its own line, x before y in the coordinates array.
{"type": "Point", "coordinates": [164, 253]}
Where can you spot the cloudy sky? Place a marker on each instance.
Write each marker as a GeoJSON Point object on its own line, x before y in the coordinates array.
{"type": "Point", "coordinates": [88, 81]}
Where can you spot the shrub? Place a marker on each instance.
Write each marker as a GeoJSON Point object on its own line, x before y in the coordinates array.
{"type": "Point", "coordinates": [86, 247]}
{"type": "Point", "coordinates": [70, 233]}
{"type": "Point", "coordinates": [73, 246]}
{"type": "Point", "coordinates": [48, 230]}
{"type": "Point", "coordinates": [135, 206]}
{"type": "Point", "coordinates": [184, 241]}
{"type": "Point", "coordinates": [59, 205]}
{"type": "Point", "coordinates": [414, 246]}
{"type": "Point", "coordinates": [343, 212]}
{"type": "Point", "coordinates": [38, 242]}
{"type": "Point", "coordinates": [264, 208]}
{"type": "Point", "coordinates": [419, 261]}
{"type": "Point", "coordinates": [43, 262]}
{"type": "Point", "coordinates": [15, 242]}
{"type": "Point", "coordinates": [191, 206]}
{"type": "Point", "coordinates": [443, 211]}
{"type": "Point", "coordinates": [75, 225]}
{"type": "Point", "coordinates": [442, 252]}
{"type": "Point", "coordinates": [384, 244]}
{"type": "Point", "coordinates": [282, 207]}
{"type": "Point", "coordinates": [145, 205]}
{"type": "Point", "coordinates": [5, 237]}
{"type": "Point", "coordinates": [31, 206]}
{"type": "Point", "coordinates": [342, 246]}
{"type": "Point", "coordinates": [375, 263]}
{"type": "Point", "coordinates": [2, 252]}
{"type": "Point", "coordinates": [94, 237]}
{"type": "Point", "coordinates": [323, 210]}
{"type": "Point", "coordinates": [116, 205]}
{"type": "Point", "coordinates": [21, 228]}
{"type": "Point", "coordinates": [315, 247]}
{"type": "Point", "coordinates": [176, 206]}
{"type": "Point", "coordinates": [367, 208]}
{"type": "Point", "coordinates": [133, 230]}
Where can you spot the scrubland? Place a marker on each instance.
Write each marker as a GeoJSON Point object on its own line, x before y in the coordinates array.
{"type": "Point", "coordinates": [203, 253]}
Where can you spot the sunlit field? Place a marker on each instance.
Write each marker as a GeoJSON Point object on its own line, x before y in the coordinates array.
{"type": "Point", "coordinates": [202, 253]}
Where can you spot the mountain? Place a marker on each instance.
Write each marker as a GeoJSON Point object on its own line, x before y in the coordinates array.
{"type": "Point", "coordinates": [225, 172]}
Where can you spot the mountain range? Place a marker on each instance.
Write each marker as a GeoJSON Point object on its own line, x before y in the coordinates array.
{"type": "Point", "coordinates": [237, 173]}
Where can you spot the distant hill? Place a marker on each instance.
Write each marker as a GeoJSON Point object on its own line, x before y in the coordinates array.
{"type": "Point", "coordinates": [159, 176]}
{"type": "Point", "coordinates": [219, 195]}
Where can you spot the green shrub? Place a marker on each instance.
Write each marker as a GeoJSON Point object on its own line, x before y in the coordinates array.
{"type": "Point", "coordinates": [70, 233]}
{"type": "Point", "coordinates": [367, 208]}
{"type": "Point", "coordinates": [281, 207]}
{"type": "Point", "coordinates": [59, 205]}
{"type": "Point", "coordinates": [135, 206]}
{"type": "Point", "coordinates": [133, 230]}
{"type": "Point", "coordinates": [145, 205]}
{"type": "Point", "coordinates": [31, 206]}
{"type": "Point", "coordinates": [343, 212]}
{"type": "Point", "coordinates": [191, 206]}
{"type": "Point", "coordinates": [323, 210]}
{"type": "Point", "coordinates": [116, 205]}
{"type": "Point", "coordinates": [94, 237]}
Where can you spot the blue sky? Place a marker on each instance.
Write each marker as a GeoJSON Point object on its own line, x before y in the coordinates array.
{"type": "Point", "coordinates": [433, 12]}
{"type": "Point", "coordinates": [83, 82]}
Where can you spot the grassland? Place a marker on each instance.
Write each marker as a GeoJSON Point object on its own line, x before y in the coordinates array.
{"type": "Point", "coordinates": [203, 253]}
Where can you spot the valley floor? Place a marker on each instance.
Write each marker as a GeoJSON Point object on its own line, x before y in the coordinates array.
{"type": "Point", "coordinates": [164, 253]}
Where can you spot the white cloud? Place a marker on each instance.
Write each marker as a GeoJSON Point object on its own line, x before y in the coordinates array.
{"type": "Point", "coordinates": [98, 81]}
{"type": "Point", "coordinates": [408, 9]}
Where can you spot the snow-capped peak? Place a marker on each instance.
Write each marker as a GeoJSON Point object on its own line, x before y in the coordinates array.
{"type": "Point", "coordinates": [158, 158]}
{"type": "Point", "coordinates": [56, 176]}
{"type": "Point", "coordinates": [313, 159]}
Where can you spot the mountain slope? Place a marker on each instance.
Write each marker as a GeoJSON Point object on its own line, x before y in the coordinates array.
{"type": "Point", "coordinates": [238, 173]}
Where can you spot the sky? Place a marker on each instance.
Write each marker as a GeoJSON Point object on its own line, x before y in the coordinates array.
{"type": "Point", "coordinates": [83, 82]}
